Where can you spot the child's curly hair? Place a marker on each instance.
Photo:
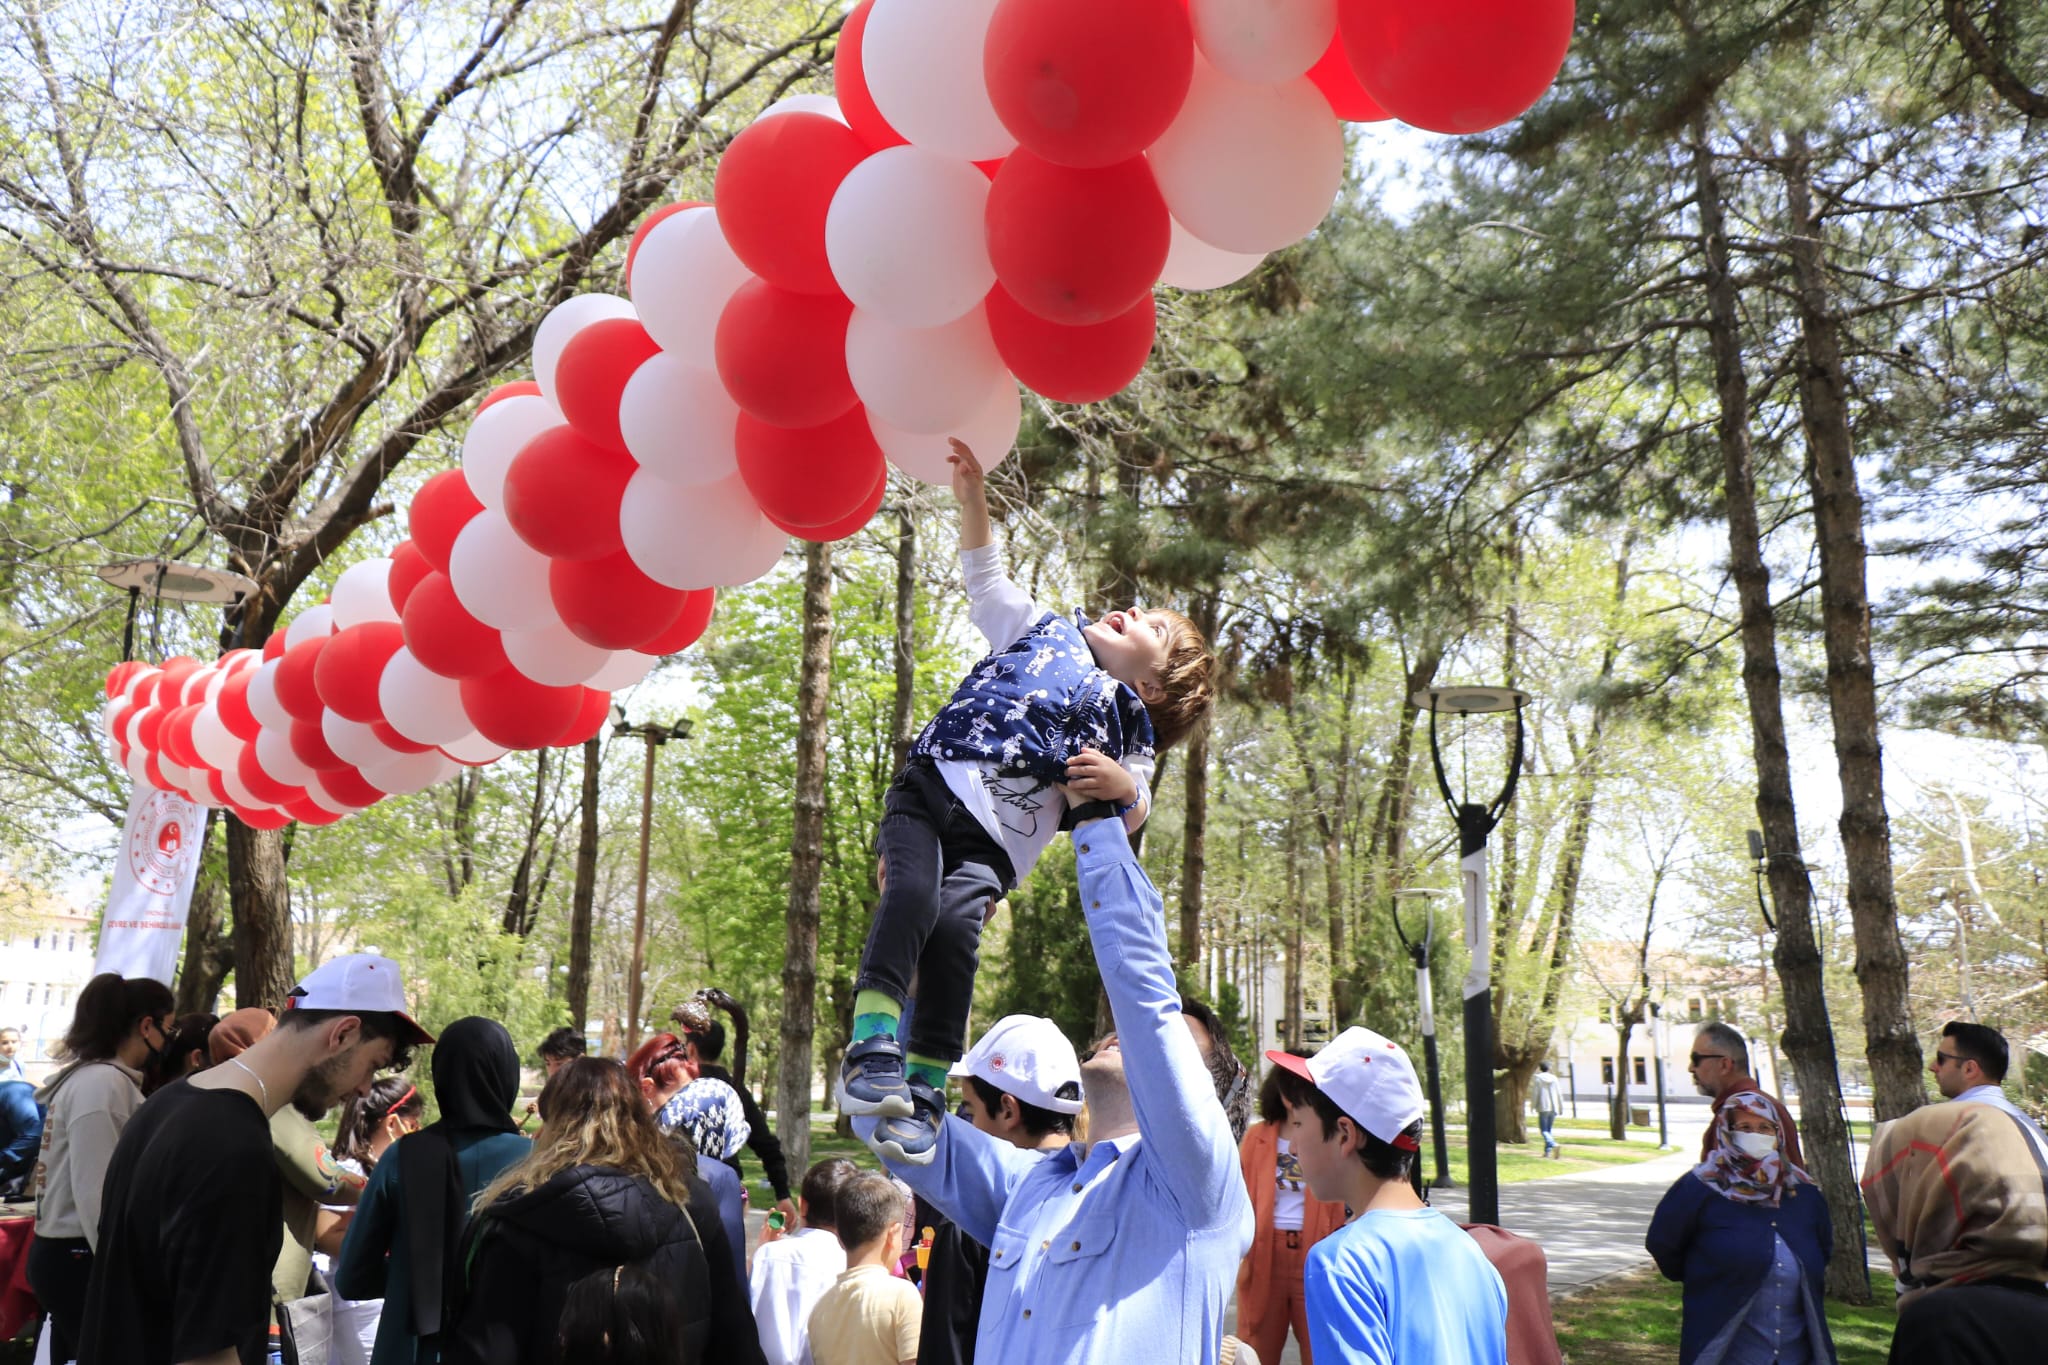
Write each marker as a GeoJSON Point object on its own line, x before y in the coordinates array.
{"type": "Point", "coordinates": [1188, 678]}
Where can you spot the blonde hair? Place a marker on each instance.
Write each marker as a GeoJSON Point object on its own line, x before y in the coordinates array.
{"type": "Point", "coordinates": [1188, 679]}
{"type": "Point", "coordinates": [592, 1114]}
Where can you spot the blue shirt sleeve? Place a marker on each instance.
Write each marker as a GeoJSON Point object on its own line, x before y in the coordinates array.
{"type": "Point", "coordinates": [970, 1177]}
{"type": "Point", "coordinates": [24, 1125]}
{"type": "Point", "coordinates": [1347, 1318]}
{"type": "Point", "coordinates": [359, 1272]}
{"type": "Point", "coordinates": [1673, 1225]}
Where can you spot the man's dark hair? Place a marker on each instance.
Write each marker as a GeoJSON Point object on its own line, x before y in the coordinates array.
{"type": "Point", "coordinates": [864, 1208]}
{"type": "Point", "coordinates": [1226, 1072]}
{"type": "Point", "coordinates": [1383, 1159]}
{"type": "Point", "coordinates": [1272, 1105]}
{"type": "Point", "coordinates": [710, 1040]}
{"type": "Point", "coordinates": [1729, 1040]}
{"type": "Point", "coordinates": [1543, 1066]}
{"type": "Point", "coordinates": [376, 1024]}
{"type": "Point", "coordinates": [1037, 1120]}
{"type": "Point", "coordinates": [820, 1190]}
{"type": "Point", "coordinates": [1979, 1043]}
{"type": "Point", "coordinates": [564, 1044]}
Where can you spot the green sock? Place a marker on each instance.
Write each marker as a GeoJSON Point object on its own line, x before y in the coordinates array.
{"type": "Point", "coordinates": [874, 1012]}
{"type": "Point", "coordinates": [930, 1070]}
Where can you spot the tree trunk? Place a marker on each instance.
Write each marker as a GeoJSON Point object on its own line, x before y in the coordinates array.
{"type": "Point", "coordinates": [1617, 1112]}
{"type": "Point", "coordinates": [1510, 1099]}
{"type": "Point", "coordinates": [208, 951]}
{"type": "Point", "coordinates": [1881, 967]}
{"type": "Point", "coordinates": [522, 901]}
{"type": "Point", "coordinates": [261, 901]}
{"type": "Point", "coordinates": [806, 863]}
{"type": "Point", "coordinates": [1809, 1038]}
{"type": "Point", "coordinates": [1194, 852]}
{"type": "Point", "coordinates": [583, 895]}
{"type": "Point", "coordinates": [903, 725]}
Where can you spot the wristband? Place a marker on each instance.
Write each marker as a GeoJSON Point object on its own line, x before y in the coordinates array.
{"type": "Point", "coordinates": [1126, 809]}
{"type": "Point", "coordinates": [1089, 810]}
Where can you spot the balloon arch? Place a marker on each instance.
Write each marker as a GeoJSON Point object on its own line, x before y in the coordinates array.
{"type": "Point", "coordinates": [988, 203]}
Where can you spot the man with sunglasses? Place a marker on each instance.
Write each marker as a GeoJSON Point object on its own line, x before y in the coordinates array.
{"type": "Point", "coordinates": [1720, 1069]}
{"type": "Point", "coordinates": [1969, 1067]}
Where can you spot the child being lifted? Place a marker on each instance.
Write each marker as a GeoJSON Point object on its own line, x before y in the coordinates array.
{"type": "Point", "coordinates": [1059, 722]}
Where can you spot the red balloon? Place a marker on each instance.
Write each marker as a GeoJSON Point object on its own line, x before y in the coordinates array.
{"type": "Point", "coordinates": [511, 709]}
{"type": "Point", "coordinates": [217, 788]}
{"type": "Point", "coordinates": [782, 356]}
{"type": "Point", "coordinates": [119, 674]}
{"type": "Point", "coordinates": [145, 691]}
{"type": "Point", "coordinates": [408, 567]}
{"type": "Point", "coordinates": [518, 388]}
{"type": "Point", "coordinates": [1084, 83]}
{"type": "Point", "coordinates": [610, 603]}
{"type": "Point", "coordinates": [170, 680]}
{"type": "Point", "coordinates": [445, 638]}
{"type": "Point", "coordinates": [351, 666]}
{"type": "Point", "coordinates": [176, 737]}
{"type": "Point", "coordinates": [261, 784]}
{"type": "Point", "coordinates": [596, 709]}
{"type": "Point", "coordinates": [273, 647]}
{"type": "Point", "coordinates": [297, 693]}
{"type": "Point", "coordinates": [350, 788]}
{"type": "Point", "coordinates": [1077, 247]}
{"type": "Point", "coordinates": [1332, 74]}
{"type": "Point", "coordinates": [850, 84]}
{"type": "Point", "coordinates": [1456, 66]}
{"type": "Point", "coordinates": [261, 819]}
{"type": "Point", "coordinates": [592, 374]}
{"type": "Point", "coordinates": [647, 225]}
{"type": "Point", "coordinates": [1071, 364]}
{"type": "Point", "coordinates": [440, 510]}
{"type": "Point", "coordinates": [311, 748]}
{"type": "Point", "coordinates": [562, 494]}
{"type": "Point", "coordinates": [395, 742]}
{"type": "Point", "coordinates": [306, 812]}
{"type": "Point", "coordinates": [233, 705]}
{"type": "Point", "coordinates": [153, 772]}
{"type": "Point", "coordinates": [811, 477]}
{"type": "Point", "coordinates": [852, 521]}
{"type": "Point", "coordinates": [688, 626]}
{"type": "Point", "coordinates": [775, 184]}
{"type": "Point", "coordinates": [149, 730]}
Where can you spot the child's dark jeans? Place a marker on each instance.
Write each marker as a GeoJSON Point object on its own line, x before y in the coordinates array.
{"type": "Point", "coordinates": [940, 869]}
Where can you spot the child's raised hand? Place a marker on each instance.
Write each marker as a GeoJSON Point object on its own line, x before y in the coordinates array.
{"type": "Point", "coordinates": [1094, 776]}
{"type": "Point", "coordinates": [968, 480]}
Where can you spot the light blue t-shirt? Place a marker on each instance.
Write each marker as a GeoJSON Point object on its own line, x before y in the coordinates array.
{"type": "Point", "coordinates": [1404, 1288]}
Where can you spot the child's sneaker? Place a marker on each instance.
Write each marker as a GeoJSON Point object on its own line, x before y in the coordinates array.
{"type": "Point", "coordinates": [871, 1079]}
{"type": "Point", "coordinates": [912, 1140]}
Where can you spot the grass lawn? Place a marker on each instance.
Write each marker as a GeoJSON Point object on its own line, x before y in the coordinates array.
{"type": "Point", "coordinates": [1634, 1321]}
{"type": "Point", "coordinates": [1527, 1162]}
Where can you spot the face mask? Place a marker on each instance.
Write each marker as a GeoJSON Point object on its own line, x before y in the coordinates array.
{"type": "Point", "coordinates": [1755, 1146]}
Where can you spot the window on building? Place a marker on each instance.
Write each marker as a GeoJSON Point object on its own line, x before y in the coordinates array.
{"type": "Point", "coordinates": [1695, 1009]}
{"type": "Point", "coordinates": [1642, 1071]}
{"type": "Point", "coordinates": [1607, 1071]}
{"type": "Point", "coordinates": [38, 941]}
{"type": "Point", "coordinates": [71, 942]}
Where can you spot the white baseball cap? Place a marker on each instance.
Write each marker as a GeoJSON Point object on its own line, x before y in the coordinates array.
{"type": "Point", "coordinates": [361, 983]}
{"type": "Point", "coordinates": [1026, 1056]}
{"type": "Point", "coordinates": [1366, 1076]}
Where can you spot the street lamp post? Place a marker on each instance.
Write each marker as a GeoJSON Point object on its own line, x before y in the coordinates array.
{"type": "Point", "coordinates": [1475, 823]}
{"type": "Point", "coordinates": [655, 736]}
{"type": "Point", "coordinates": [1657, 1046]}
{"type": "Point", "coordinates": [1425, 998]}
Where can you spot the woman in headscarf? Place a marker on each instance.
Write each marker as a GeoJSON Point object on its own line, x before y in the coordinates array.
{"type": "Point", "coordinates": [404, 1243]}
{"type": "Point", "coordinates": [1747, 1233]}
{"type": "Point", "coordinates": [709, 1113]}
{"type": "Point", "coordinates": [1957, 1195]}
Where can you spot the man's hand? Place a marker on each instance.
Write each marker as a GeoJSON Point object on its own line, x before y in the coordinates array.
{"type": "Point", "coordinates": [1095, 776]}
{"type": "Point", "coordinates": [971, 489]}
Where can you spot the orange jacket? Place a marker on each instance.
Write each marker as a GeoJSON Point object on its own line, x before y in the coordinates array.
{"type": "Point", "coordinates": [1259, 1155]}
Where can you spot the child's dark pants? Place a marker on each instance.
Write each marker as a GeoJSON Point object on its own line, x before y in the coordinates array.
{"type": "Point", "coordinates": [940, 869]}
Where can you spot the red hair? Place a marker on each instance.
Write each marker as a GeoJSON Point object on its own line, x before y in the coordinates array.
{"type": "Point", "coordinates": [662, 1060]}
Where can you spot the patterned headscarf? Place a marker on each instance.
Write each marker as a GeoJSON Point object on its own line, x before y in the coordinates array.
{"type": "Point", "coordinates": [1748, 1179]}
{"type": "Point", "coordinates": [709, 1111]}
{"type": "Point", "coordinates": [1956, 1195]}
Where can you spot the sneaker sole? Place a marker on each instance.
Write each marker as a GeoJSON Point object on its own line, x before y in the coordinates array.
{"type": "Point", "coordinates": [891, 1151]}
{"type": "Point", "coordinates": [891, 1107]}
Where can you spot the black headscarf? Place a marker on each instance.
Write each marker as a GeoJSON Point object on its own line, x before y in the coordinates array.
{"type": "Point", "coordinates": [476, 1083]}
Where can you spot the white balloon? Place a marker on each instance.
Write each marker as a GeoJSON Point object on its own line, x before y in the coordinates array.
{"type": "Point", "coordinates": [561, 325]}
{"type": "Point", "coordinates": [1250, 168]}
{"type": "Point", "coordinates": [353, 741]}
{"type": "Point", "coordinates": [804, 104]}
{"type": "Point", "coordinates": [990, 433]}
{"type": "Point", "coordinates": [552, 656]}
{"type": "Point", "coordinates": [679, 422]}
{"type": "Point", "coordinates": [923, 63]}
{"type": "Point", "coordinates": [112, 707]}
{"type": "Point", "coordinates": [214, 741]}
{"type": "Point", "coordinates": [239, 791]}
{"type": "Point", "coordinates": [1263, 42]}
{"type": "Point", "coordinates": [690, 537]}
{"type": "Point", "coordinates": [138, 767]}
{"type": "Point", "coordinates": [759, 559]}
{"type": "Point", "coordinates": [683, 276]}
{"type": "Point", "coordinates": [314, 623]}
{"type": "Point", "coordinates": [407, 773]}
{"type": "Point", "coordinates": [193, 690]}
{"type": "Point", "coordinates": [500, 432]}
{"type": "Point", "coordinates": [420, 704]}
{"type": "Point", "coordinates": [141, 676]}
{"type": "Point", "coordinates": [474, 748]}
{"type": "Point", "coordinates": [235, 660]}
{"type": "Point", "coordinates": [1192, 263]}
{"type": "Point", "coordinates": [625, 668]}
{"type": "Point", "coordinates": [907, 237]}
{"type": "Point", "coordinates": [274, 755]}
{"type": "Point", "coordinates": [263, 702]}
{"type": "Point", "coordinates": [923, 379]}
{"type": "Point", "coordinates": [498, 578]}
{"type": "Point", "coordinates": [363, 594]}
{"type": "Point", "coordinates": [325, 800]}
{"type": "Point", "coordinates": [131, 729]}
{"type": "Point", "coordinates": [176, 774]}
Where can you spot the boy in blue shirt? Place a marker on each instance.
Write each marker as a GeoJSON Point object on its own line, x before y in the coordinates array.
{"type": "Point", "coordinates": [1060, 720]}
{"type": "Point", "coordinates": [1400, 1284]}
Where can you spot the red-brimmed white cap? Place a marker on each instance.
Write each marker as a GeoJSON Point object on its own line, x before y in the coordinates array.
{"type": "Point", "coordinates": [361, 983]}
{"type": "Point", "coordinates": [1369, 1078]}
{"type": "Point", "coordinates": [1026, 1056]}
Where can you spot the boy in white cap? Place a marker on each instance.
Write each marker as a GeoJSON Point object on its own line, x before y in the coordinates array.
{"type": "Point", "coordinates": [1399, 1284]}
{"type": "Point", "coordinates": [192, 1217]}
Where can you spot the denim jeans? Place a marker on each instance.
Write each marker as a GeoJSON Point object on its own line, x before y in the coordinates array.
{"type": "Point", "coordinates": [1547, 1122]}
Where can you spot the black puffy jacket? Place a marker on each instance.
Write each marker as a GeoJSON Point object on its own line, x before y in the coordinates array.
{"type": "Point", "coordinates": [528, 1250]}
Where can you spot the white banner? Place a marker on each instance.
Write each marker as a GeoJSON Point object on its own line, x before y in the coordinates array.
{"type": "Point", "coordinates": [153, 875]}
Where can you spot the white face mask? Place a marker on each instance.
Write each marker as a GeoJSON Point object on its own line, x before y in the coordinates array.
{"type": "Point", "coordinates": [1755, 1146]}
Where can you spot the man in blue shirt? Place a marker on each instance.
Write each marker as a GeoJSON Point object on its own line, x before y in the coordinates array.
{"type": "Point", "coordinates": [1400, 1284]}
{"type": "Point", "coordinates": [21, 1135]}
{"type": "Point", "coordinates": [1125, 1248]}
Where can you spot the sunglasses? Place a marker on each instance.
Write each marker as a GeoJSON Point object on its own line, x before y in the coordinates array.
{"type": "Point", "coordinates": [1948, 1058]}
{"type": "Point", "coordinates": [1698, 1057]}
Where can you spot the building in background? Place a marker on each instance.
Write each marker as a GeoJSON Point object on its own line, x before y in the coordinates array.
{"type": "Point", "coordinates": [46, 953]}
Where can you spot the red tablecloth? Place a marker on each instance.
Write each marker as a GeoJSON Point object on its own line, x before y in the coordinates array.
{"type": "Point", "coordinates": [18, 1306]}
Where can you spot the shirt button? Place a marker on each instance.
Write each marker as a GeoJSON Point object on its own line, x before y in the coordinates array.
{"type": "Point", "coordinates": [1046, 1245]}
{"type": "Point", "coordinates": [1027, 1312]}
{"type": "Point", "coordinates": [1076, 1247]}
{"type": "Point", "coordinates": [1077, 1189]}
{"type": "Point", "coordinates": [1095, 905]}
{"type": "Point", "coordinates": [1084, 849]}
